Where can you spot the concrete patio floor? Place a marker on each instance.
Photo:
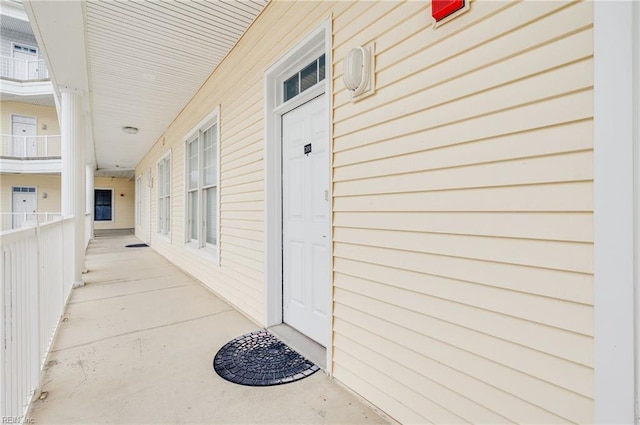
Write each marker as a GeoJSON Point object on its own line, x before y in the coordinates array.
{"type": "Point", "coordinates": [136, 346]}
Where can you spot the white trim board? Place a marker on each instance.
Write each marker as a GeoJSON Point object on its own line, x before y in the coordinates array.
{"type": "Point", "coordinates": [616, 111]}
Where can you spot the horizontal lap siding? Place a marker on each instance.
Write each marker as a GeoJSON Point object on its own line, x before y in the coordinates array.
{"type": "Point", "coordinates": [463, 213]}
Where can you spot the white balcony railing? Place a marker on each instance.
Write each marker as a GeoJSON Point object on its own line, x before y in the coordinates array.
{"type": "Point", "coordinates": [26, 147]}
{"type": "Point", "coordinates": [35, 282]}
{"type": "Point", "coordinates": [11, 221]}
{"type": "Point", "coordinates": [23, 70]}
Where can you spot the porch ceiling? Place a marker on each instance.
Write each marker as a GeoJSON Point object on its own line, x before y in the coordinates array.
{"type": "Point", "coordinates": [140, 62]}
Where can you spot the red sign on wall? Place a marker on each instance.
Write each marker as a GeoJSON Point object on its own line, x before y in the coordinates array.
{"type": "Point", "coordinates": [440, 9]}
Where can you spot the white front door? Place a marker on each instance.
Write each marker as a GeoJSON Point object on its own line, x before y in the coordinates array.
{"type": "Point", "coordinates": [23, 205]}
{"type": "Point", "coordinates": [306, 226]}
{"type": "Point", "coordinates": [23, 130]}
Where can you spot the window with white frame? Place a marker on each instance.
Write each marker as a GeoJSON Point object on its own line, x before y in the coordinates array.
{"type": "Point", "coordinates": [139, 201]}
{"type": "Point", "coordinates": [305, 78]}
{"type": "Point", "coordinates": [202, 186]}
{"type": "Point", "coordinates": [103, 205]}
{"type": "Point", "coordinates": [164, 195]}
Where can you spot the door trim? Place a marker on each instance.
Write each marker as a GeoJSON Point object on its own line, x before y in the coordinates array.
{"type": "Point", "coordinates": [318, 40]}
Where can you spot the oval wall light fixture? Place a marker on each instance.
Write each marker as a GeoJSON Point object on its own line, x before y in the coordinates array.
{"type": "Point", "coordinates": [358, 70]}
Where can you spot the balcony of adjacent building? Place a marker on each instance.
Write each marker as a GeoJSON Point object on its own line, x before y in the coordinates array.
{"type": "Point", "coordinates": [30, 154]}
{"type": "Point", "coordinates": [23, 69]}
{"type": "Point", "coordinates": [24, 75]}
{"type": "Point", "coordinates": [25, 80]}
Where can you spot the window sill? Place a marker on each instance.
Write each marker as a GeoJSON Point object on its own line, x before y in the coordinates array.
{"type": "Point", "coordinates": [166, 237]}
{"type": "Point", "coordinates": [208, 253]}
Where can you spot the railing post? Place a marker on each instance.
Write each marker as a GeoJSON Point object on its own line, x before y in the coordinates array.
{"type": "Point", "coordinates": [36, 325]}
{"type": "Point", "coordinates": [46, 146]}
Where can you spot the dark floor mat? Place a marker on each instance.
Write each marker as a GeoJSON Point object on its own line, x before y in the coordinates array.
{"type": "Point", "coordinates": [136, 245]}
{"type": "Point", "coordinates": [260, 359]}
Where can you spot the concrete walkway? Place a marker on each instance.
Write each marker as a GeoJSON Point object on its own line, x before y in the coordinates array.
{"type": "Point", "coordinates": [136, 346]}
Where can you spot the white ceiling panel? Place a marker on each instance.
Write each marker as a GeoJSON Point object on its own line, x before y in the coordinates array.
{"type": "Point", "coordinates": [147, 59]}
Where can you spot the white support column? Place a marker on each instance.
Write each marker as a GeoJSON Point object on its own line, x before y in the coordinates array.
{"type": "Point", "coordinates": [616, 144]}
{"type": "Point", "coordinates": [73, 173]}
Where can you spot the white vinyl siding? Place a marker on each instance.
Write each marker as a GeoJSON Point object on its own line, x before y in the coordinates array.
{"type": "Point", "coordinates": [462, 204]}
{"type": "Point", "coordinates": [463, 253]}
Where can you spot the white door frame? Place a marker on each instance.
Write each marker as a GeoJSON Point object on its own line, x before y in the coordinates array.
{"type": "Point", "coordinates": [306, 49]}
{"type": "Point", "coordinates": [616, 210]}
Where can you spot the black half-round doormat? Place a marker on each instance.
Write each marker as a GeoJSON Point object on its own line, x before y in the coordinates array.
{"type": "Point", "coordinates": [259, 359]}
{"type": "Point", "coordinates": [136, 245]}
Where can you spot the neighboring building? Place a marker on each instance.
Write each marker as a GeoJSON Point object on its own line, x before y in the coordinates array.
{"type": "Point", "coordinates": [30, 134]}
{"type": "Point", "coordinates": [30, 148]}
{"type": "Point", "coordinates": [459, 237]}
